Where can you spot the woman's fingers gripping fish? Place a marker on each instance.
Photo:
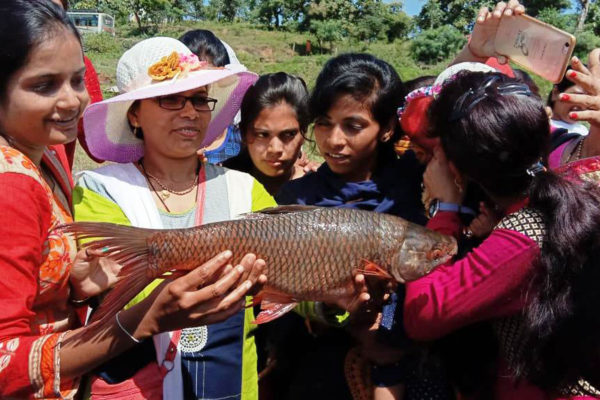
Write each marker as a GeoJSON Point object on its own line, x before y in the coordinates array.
{"type": "Point", "coordinates": [311, 253]}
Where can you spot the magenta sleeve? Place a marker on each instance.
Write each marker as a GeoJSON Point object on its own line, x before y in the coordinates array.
{"type": "Point", "coordinates": [489, 282]}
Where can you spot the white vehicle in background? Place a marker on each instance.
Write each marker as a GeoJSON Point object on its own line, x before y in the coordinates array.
{"type": "Point", "coordinates": [92, 21]}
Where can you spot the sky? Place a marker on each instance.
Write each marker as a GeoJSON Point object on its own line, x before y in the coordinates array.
{"type": "Point", "coordinates": [412, 7]}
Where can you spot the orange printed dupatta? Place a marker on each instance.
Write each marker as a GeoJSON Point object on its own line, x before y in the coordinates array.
{"type": "Point", "coordinates": [35, 261]}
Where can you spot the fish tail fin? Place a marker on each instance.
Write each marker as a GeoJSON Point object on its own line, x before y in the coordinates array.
{"type": "Point", "coordinates": [127, 246]}
{"type": "Point", "coordinates": [126, 289]}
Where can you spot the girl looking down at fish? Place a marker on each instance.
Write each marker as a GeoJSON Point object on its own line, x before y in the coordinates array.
{"type": "Point", "coordinates": [353, 106]}
{"type": "Point", "coordinates": [44, 351]}
{"type": "Point", "coordinates": [274, 119]}
{"type": "Point", "coordinates": [535, 276]}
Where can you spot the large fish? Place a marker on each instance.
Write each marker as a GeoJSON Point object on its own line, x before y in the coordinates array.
{"type": "Point", "coordinates": [311, 253]}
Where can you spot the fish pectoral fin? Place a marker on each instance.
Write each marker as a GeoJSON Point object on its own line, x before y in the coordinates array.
{"type": "Point", "coordinates": [372, 269]}
{"type": "Point", "coordinates": [270, 311]}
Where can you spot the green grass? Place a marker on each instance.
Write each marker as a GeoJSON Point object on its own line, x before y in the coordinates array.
{"type": "Point", "coordinates": [261, 51]}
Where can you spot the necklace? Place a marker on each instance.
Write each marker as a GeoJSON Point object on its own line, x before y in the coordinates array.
{"type": "Point", "coordinates": [577, 151]}
{"type": "Point", "coordinates": [153, 188]}
{"type": "Point", "coordinates": [166, 191]}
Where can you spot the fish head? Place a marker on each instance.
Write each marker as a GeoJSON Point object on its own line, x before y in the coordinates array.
{"type": "Point", "coordinates": [421, 251]}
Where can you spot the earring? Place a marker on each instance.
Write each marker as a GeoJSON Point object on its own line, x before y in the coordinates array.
{"type": "Point", "coordinates": [458, 185]}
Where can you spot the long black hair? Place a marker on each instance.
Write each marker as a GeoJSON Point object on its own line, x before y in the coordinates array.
{"type": "Point", "coordinates": [367, 79]}
{"type": "Point", "coordinates": [268, 91]}
{"type": "Point", "coordinates": [273, 89]}
{"type": "Point", "coordinates": [24, 24]}
{"type": "Point", "coordinates": [206, 46]}
{"type": "Point", "coordinates": [494, 129]}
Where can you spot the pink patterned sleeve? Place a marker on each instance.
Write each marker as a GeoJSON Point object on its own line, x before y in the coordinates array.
{"type": "Point", "coordinates": [488, 283]}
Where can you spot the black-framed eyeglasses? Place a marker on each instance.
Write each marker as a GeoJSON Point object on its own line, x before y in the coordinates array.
{"type": "Point", "coordinates": [177, 102]}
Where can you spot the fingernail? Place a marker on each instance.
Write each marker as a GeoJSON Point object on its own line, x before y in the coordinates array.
{"type": "Point", "coordinates": [508, 12]}
{"type": "Point", "coordinates": [572, 74]}
{"type": "Point", "coordinates": [575, 60]}
{"type": "Point", "coordinates": [565, 97]}
{"type": "Point", "coordinates": [227, 254]}
{"type": "Point", "coordinates": [573, 115]}
{"type": "Point", "coordinates": [240, 268]}
{"type": "Point", "coordinates": [481, 19]}
{"type": "Point", "coordinates": [247, 285]}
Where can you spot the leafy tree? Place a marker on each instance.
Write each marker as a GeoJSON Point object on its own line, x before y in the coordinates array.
{"type": "Point", "coordinates": [558, 19]}
{"type": "Point", "coordinates": [378, 20]}
{"type": "Point", "coordinates": [593, 18]}
{"type": "Point", "coordinates": [225, 10]}
{"type": "Point", "coordinates": [461, 13]}
{"type": "Point", "coordinates": [584, 8]}
{"type": "Point", "coordinates": [327, 31]}
{"type": "Point", "coordinates": [458, 13]}
{"type": "Point", "coordinates": [534, 7]}
{"type": "Point", "coordinates": [434, 45]}
{"type": "Point", "coordinates": [431, 15]}
{"type": "Point", "coordinates": [195, 9]}
{"type": "Point", "coordinates": [271, 13]}
{"type": "Point", "coordinates": [586, 42]}
{"type": "Point", "coordinates": [398, 23]}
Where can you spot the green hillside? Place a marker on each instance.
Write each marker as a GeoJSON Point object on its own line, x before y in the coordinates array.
{"type": "Point", "coordinates": [260, 50]}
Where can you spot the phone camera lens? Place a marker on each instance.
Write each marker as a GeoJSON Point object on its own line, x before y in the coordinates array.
{"type": "Point", "coordinates": [567, 44]}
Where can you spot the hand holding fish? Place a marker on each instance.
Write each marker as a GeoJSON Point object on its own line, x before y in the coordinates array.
{"type": "Point", "coordinates": [92, 274]}
{"type": "Point", "coordinates": [206, 295]}
{"type": "Point", "coordinates": [210, 293]}
{"type": "Point", "coordinates": [353, 301]}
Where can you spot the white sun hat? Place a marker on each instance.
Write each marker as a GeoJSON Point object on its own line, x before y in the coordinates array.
{"type": "Point", "coordinates": [155, 67]}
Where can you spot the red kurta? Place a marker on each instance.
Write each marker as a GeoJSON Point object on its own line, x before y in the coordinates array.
{"type": "Point", "coordinates": [35, 261]}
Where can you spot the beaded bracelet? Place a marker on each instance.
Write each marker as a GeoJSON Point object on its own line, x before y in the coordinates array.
{"type": "Point", "coordinates": [125, 330]}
